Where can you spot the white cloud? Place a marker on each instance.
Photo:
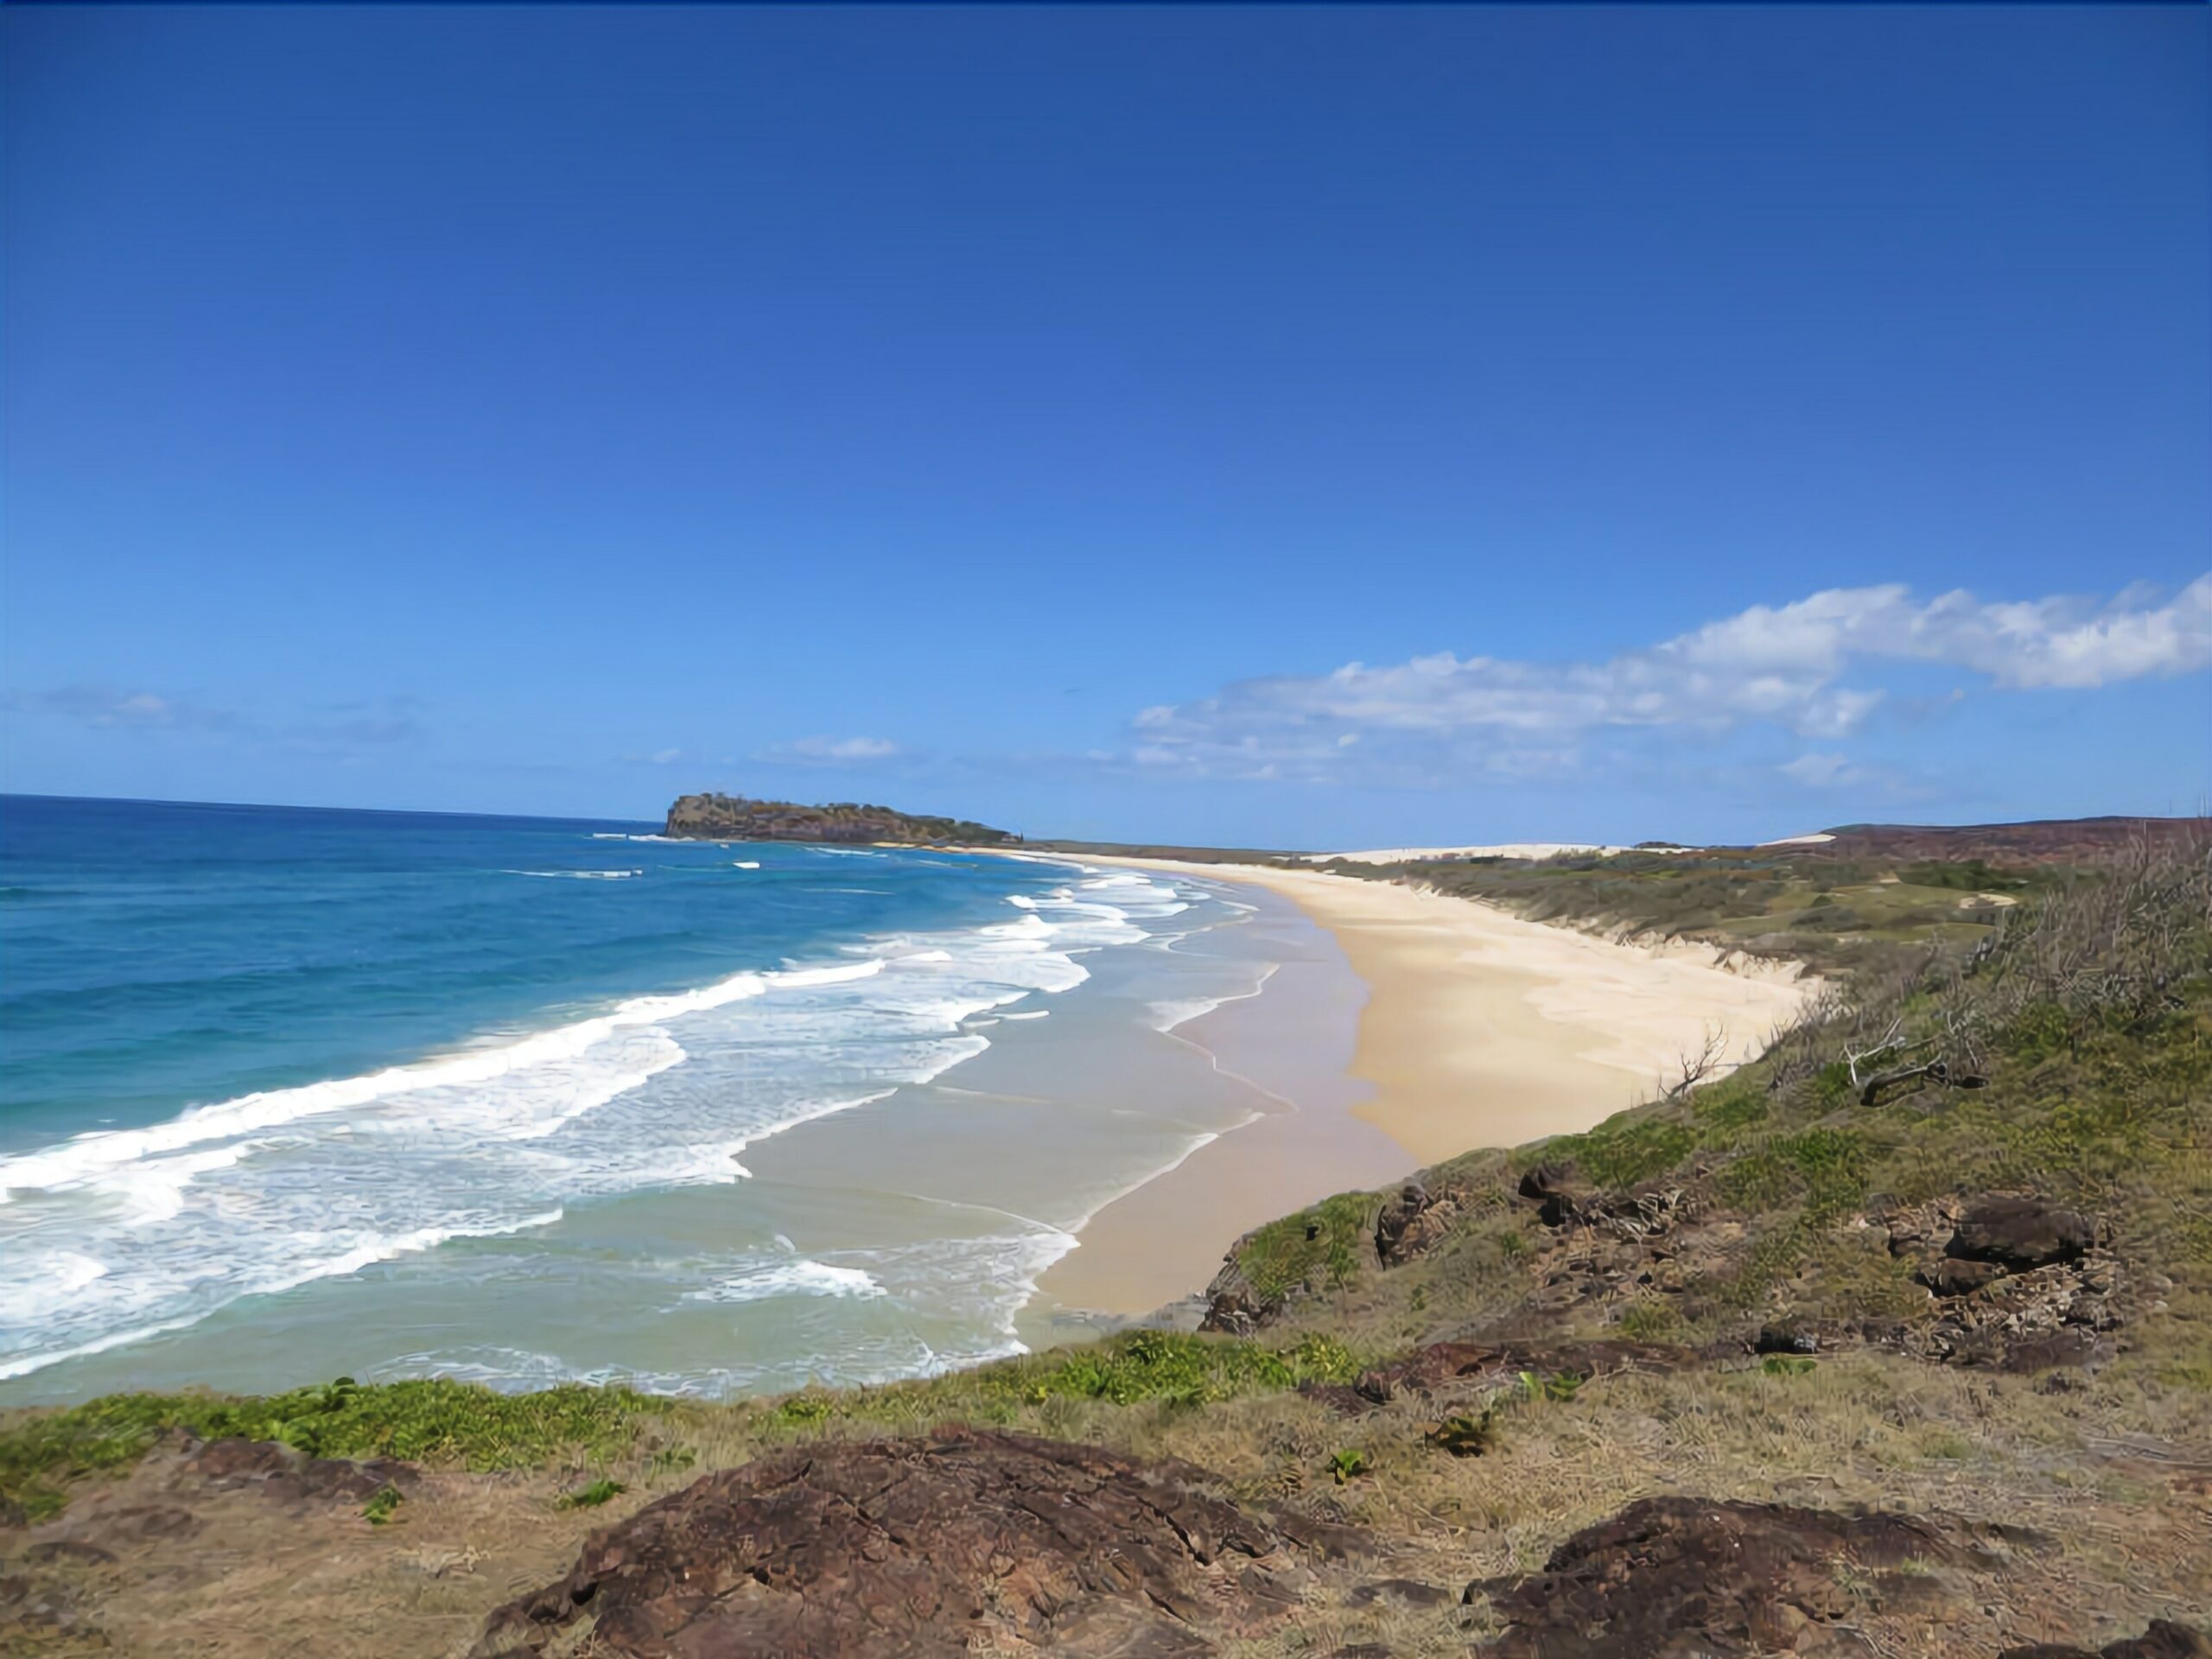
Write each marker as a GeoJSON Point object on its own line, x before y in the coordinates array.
{"type": "Point", "coordinates": [1781, 665]}
{"type": "Point", "coordinates": [845, 748]}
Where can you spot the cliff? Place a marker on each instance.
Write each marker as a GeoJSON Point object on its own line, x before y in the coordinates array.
{"type": "Point", "coordinates": [733, 817]}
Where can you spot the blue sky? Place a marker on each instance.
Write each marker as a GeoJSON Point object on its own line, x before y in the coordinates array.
{"type": "Point", "coordinates": [1294, 426]}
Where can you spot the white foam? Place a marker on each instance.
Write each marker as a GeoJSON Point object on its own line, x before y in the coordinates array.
{"type": "Point", "coordinates": [801, 1278]}
{"type": "Point", "coordinates": [744, 864]}
{"type": "Point", "coordinates": [1173, 1012]}
{"type": "Point", "coordinates": [577, 875]}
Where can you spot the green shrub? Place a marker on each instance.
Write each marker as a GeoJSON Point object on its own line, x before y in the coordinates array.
{"type": "Point", "coordinates": [591, 1497]}
{"type": "Point", "coordinates": [381, 1504]}
{"type": "Point", "coordinates": [1466, 1436]}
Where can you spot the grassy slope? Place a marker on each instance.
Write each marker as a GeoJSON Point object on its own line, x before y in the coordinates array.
{"type": "Point", "coordinates": [2087, 1007]}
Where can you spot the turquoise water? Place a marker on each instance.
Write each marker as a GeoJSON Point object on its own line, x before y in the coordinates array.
{"type": "Point", "coordinates": [289, 1088]}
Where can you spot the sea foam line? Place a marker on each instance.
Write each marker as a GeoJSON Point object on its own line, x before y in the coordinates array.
{"type": "Point", "coordinates": [86, 1157]}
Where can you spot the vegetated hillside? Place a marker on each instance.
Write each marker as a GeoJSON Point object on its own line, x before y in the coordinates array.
{"type": "Point", "coordinates": [1894, 1342]}
{"type": "Point", "coordinates": [2043, 841]}
{"type": "Point", "coordinates": [1873, 897]}
{"type": "Point", "coordinates": [733, 817]}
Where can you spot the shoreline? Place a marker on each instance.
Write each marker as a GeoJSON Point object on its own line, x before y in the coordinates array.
{"type": "Point", "coordinates": [1477, 1029]}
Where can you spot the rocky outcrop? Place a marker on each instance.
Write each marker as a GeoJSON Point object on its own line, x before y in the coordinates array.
{"type": "Point", "coordinates": [286, 1476]}
{"type": "Point", "coordinates": [2017, 1233]}
{"type": "Point", "coordinates": [925, 1547]}
{"type": "Point", "coordinates": [2018, 1283]}
{"type": "Point", "coordinates": [1668, 1578]}
{"type": "Point", "coordinates": [1408, 1224]}
{"type": "Point", "coordinates": [734, 817]}
{"type": "Point", "coordinates": [1446, 1372]}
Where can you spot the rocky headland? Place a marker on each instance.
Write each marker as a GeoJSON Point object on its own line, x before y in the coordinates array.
{"type": "Point", "coordinates": [735, 817]}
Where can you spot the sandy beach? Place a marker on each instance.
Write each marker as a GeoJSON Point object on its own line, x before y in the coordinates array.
{"type": "Point", "coordinates": [1479, 1029]}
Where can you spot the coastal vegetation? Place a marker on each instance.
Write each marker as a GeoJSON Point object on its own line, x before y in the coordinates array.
{"type": "Point", "coordinates": [1898, 1340]}
{"type": "Point", "coordinates": [734, 817]}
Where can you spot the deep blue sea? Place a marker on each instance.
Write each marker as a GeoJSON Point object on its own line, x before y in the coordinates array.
{"type": "Point", "coordinates": [273, 1070]}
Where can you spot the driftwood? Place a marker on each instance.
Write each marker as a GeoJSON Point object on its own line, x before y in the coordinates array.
{"type": "Point", "coordinates": [1934, 1071]}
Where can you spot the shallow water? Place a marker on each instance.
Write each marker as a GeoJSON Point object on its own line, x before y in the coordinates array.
{"type": "Point", "coordinates": [291, 1094]}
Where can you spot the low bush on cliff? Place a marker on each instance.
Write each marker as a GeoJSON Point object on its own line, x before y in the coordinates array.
{"type": "Point", "coordinates": [432, 1420]}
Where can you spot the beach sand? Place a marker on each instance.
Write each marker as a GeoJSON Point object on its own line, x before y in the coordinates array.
{"type": "Point", "coordinates": [1479, 1029]}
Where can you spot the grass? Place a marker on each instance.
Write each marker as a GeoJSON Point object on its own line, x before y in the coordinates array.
{"type": "Point", "coordinates": [434, 1421]}
{"type": "Point", "coordinates": [465, 1425]}
{"type": "Point", "coordinates": [1325, 1245]}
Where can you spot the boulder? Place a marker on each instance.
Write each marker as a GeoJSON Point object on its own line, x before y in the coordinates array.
{"type": "Point", "coordinates": [2021, 1232]}
{"type": "Point", "coordinates": [920, 1548]}
{"type": "Point", "coordinates": [1682, 1576]}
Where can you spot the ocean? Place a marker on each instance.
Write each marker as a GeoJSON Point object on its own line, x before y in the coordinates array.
{"type": "Point", "coordinates": [290, 1093]}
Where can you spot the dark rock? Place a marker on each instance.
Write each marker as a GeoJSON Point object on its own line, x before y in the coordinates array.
{"type": "Point", "coordinates": [2164, 1640]}
{"type": "Point", "coordinates": [1558, 1190]}
{"type": "Point", "coordinates": [333, 1480]}
{"type": "Point", "coordinates": [232, 1463]}
{"type": "Point", "coordinates": [1950, 1275]}
{"type": "Point", "coordinates": [920, 1547]}
{"type": "Point", "coordinates": [290, 1476]}
{"type": "Point", "coordinates": [146, 1521]}
{"type": "Point", "coordinates": [1543, 1181]}
{"type": "Point", "coordinates": [1785, 1338]}
{"type": "Point", "coordinates": [2021, 1232]}
{"type": "Point", "coordinates": [1684, 1576]}
{"type": "Point", "coordinates": [1460, 1367]}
